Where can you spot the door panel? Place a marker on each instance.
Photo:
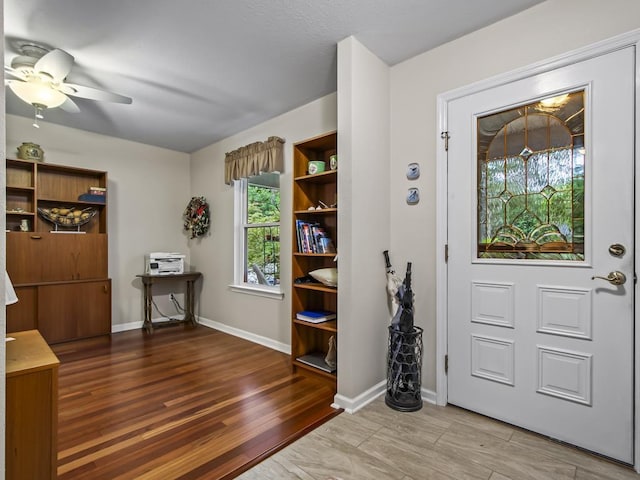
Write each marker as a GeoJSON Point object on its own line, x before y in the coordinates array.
{"type": "Point", "coordinates": [54, 257]}
{"type": "Point", "coordinates": [68, 311]}
{"type": "Point", "coordinates": [23, 261]}
{"type": "Point", "coordinates": [532, 339]}
{"type": "Point", "coordinates": [74, 256]}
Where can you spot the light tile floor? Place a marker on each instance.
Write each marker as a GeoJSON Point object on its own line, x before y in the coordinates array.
{"type": "Point", "coordinates": [435, 443]}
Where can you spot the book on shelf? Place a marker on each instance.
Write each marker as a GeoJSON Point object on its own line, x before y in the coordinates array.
{"type": "Point", "coordinates": [316, 316]}
{"type": "Point", "coordinates": [307, 241]}
{"type": "Point", "coordinates": [316, 360]}
{"type": "Point", "coordinates": [312, 238]}
{"type": "Point", "coordinates": [298, 237]}
{"type": "Point", "coordinates": [327, 246]}
{"type": "Point", "coordinates": [97, 191]}
{"type": "Point", "coordinates": [87, 197]}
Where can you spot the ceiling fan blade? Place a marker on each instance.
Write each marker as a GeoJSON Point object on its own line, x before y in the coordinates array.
{"type": "Point", "coordinates": [93, 93]}
{"type": "Point", "coordinates": [70, 106]}
{"type": "Point", "coordinates": [57, 64]}
{"type": "Point", "coordinates": [15, 73]}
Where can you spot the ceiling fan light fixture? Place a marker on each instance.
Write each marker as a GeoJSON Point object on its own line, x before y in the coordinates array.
{"type": "Point", "coordinates": [37, 115]}
{"type": "Point", "coordinates": [39, 109]}
{"type": "Point", "coordinates": [38, 93]}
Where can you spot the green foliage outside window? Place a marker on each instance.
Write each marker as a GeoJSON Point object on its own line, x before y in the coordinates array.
{"type": "Point", "coordinates": [263, 204]}
{"type": "Point", "coordinates": [263, 234]}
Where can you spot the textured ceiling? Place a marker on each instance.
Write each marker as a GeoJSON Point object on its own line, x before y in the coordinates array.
{"type": "Point", "coordinates": [201, 70]}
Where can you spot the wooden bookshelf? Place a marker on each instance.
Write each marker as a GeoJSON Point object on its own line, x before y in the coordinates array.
{"type": "Point", "coordinates": [312, 339]}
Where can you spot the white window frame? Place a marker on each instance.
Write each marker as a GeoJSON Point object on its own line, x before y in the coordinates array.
{"type": "Point", "coordinates": [240, 245]}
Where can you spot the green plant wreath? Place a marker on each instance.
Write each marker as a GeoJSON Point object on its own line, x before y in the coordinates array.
{"type": "Point", "coordinates": [196, 217]}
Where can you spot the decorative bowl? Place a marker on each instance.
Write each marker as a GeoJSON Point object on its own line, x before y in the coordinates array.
{"type": "Point", "coordinates": [67, 216]}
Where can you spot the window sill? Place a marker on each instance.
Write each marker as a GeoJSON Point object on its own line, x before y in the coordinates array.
{"type": "Point", "coordinates": [259, 290]}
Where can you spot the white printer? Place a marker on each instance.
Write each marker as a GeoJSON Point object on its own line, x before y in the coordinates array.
{"type": "Point", "coordinates": [164, 263]}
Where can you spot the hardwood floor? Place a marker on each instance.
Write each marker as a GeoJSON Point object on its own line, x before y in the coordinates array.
{"type": "Point", "coordinates": [181, 403]}
{"type": "Point", "coordinates": [435, 443]}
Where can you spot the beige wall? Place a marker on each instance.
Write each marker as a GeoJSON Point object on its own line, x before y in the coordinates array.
{"type": "Point", "coordinates": [213, 255]}
{"type": "Point", "coordinates": [551, 28]}
{"type": "Point", "coordinates": [363, 223]}
{"type": "Point", "coordinates": [148, 190]}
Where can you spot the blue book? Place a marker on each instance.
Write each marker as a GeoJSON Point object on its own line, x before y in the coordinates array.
{"type": "Point", "coordinates": [87, 197]}
{"type": "Point", "coordinates": [316, 316]}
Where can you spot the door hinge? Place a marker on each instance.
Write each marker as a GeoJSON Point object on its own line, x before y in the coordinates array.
{"type": "Point", "coordinates": [446, 364]}
{"type": "Point", "coordinates": [446, 253]}
{"type": "Point", "coordinates": [446, 137]}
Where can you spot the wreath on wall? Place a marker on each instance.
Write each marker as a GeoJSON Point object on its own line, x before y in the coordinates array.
{"type": "Point", "coordinates": [196, 217]}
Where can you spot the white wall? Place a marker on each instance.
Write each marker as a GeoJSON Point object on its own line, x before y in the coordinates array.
{"type": "Point", "coordinates": [548, 29]}
{"type": "Point", "coordinates": [363, 223]}
{"type": "Point", "coordinates": [3, 313]}
{"type": "Point", "coordinates": [148, 189]}
{"type": "Point", "coordinates": [213, 254]}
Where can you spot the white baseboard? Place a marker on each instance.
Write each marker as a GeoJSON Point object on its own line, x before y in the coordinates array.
{"type": "Point", "coordinates": [236, 332]}
{"type": "Point", "coordinates": [352, 405]}
{"type": "Point", "coordinates": [429, 396]}
{"type": "Point", "coordinates": [123, 327]}
{"type": "Point", "coordinates": [252, 337]}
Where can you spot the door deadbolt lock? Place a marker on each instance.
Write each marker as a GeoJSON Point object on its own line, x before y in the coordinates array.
{"type": "Point", "coordinates": [614, 278]}
{"type": "Point", "coordinates": [617, 250]}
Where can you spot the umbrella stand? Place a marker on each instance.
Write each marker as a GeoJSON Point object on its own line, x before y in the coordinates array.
{"type": "Point", "coordinates": [403, 370]}
{"type": "Point", "coordinates": [404, 356]}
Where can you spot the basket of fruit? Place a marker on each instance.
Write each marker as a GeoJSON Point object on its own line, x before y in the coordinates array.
{"type": "Point", "coordinates": [67, 216]}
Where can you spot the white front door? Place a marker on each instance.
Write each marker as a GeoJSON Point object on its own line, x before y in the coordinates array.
{"type": "Point", "coordinates": [540, 200]}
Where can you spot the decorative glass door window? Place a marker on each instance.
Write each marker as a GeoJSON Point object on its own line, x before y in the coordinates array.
{"type": "Point", "coordinates": [531, 180]}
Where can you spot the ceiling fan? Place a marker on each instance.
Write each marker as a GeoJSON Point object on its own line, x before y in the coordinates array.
{"type": "Point", "coordinates": [39, 75]}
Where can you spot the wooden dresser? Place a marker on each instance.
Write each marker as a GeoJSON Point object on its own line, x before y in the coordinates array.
{"type": "Point", "coordinates": [32, 408]}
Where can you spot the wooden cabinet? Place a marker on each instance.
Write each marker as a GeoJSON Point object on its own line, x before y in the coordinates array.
{"type": "Point", "coordinates": [38, 257]}
{"type": "Point", "coordinates": [48, 263]}
{"type": "Point", "coordinates": [23, 315]}
{"type": "Point", "coordinates": [67, 311]}
{"type": "Point", "coordinates": [311, 340]}
{"type": "Point", "coordinates": [31, 448]}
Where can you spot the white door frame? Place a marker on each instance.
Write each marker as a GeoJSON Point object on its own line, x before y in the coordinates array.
{"type": "Point", "coordinates": [625, 40]}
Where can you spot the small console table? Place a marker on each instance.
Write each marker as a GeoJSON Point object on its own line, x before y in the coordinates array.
{"type": "Point", "coordinates": [148, 281]}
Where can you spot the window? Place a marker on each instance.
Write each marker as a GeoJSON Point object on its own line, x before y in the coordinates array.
{"type": "Point", "coordinates": [257, 207]}
{"type": "Point", "coordinates": [531, 181]}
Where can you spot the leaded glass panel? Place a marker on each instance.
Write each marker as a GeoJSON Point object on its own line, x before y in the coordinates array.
{"type": "Point", "coordinates": [531, 181]}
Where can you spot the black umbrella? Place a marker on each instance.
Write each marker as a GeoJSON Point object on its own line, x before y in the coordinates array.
{"type": "Point", "coordinates": [405, 297]}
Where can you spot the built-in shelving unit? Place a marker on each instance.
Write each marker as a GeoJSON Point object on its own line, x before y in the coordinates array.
{"type": "Point", "coordinates": [310, 341]}
{"type": "Point", "coordinates": [60, 277]}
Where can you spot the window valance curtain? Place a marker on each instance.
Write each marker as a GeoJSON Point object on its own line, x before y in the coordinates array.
{"type": "Point", "coordinates": [253, 159]}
